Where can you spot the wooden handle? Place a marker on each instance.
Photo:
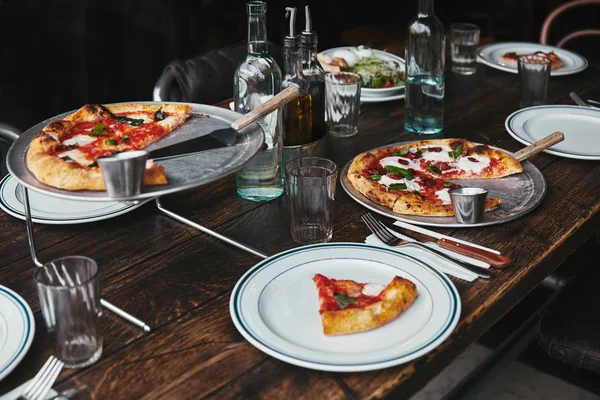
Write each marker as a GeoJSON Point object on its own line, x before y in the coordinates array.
{"type": "Point", "coordinates": [280, 99]}
{"type": "Point", "coordinates": [540, 145]}
{"type": "Point", "coordinates": [496, 260]}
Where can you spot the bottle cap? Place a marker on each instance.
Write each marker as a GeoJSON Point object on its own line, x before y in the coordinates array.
{"type": "Point", "coordinates": [308, 38]}
{"type": "Point", "coordinates": [256, 7]}
{"type": "Point", "coordinates": [291, 40]}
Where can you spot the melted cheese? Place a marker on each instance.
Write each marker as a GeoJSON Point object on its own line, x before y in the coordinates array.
{"type": "Point", "coordinates": [394, 162]}
{"type": "Point", "coordinates": [411, 185]}
{"type": "Point", "coordinates": [76, 156]}
{"type": "Point", "coordinates": [80, 140]}
{"type": "Point", "coordinates": [439, 155]}
{"type": "Point", "coordinates": [464, 164]}
{"type": "Point", "coordinates": [372, 289]}
{"type": "Point", "coordinates": [444, 196]}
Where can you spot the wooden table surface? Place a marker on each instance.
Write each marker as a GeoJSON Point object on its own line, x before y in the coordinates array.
{"type": "Point", "coordinates": [179, 280]}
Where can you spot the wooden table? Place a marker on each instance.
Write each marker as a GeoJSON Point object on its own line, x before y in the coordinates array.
{"type": "Point", "coordinates": [179, 280]}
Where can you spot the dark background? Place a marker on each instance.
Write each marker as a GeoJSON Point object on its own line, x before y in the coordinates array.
{"type": "Point", "coordinates": [60, 54]}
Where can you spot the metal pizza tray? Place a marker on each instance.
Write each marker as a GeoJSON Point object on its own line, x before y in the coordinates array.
{"type": "Point", "coordinates": [183, 172]}
{"type": "Point", "coordinates": [520, 194]}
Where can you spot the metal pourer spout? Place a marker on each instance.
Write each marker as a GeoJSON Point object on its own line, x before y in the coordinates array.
{"type": "Point", "coordinates": [290, 12]}
{"type": "Point", "coordinates": [308, 20]}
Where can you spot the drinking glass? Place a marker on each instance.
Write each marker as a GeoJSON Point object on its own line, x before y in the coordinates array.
{"type": "Point", "coordinates": [69, 291]}
{"type": "Point", "coordinates": [535, 74]}
{"type": "Point", "coordinates": [464, 40]}
{"type": "Point", "coordinates": [310, 183]}
{"type": "Point", "coordinates": [342, 103]}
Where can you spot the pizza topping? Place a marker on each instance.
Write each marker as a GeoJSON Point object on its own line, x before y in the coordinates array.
{"type": "Point", "coordinates": [398, 170]}
{"type": "Point", "coordinates": [402, 162]}
{"type": "Point", "coordinates": [110, 142]}
{"type": "Point", "coordinates": [395, 161]}
{"type": "Point", "coordinates": [410, 185]}
{"type": "Point", "coordinates": [439, 153]}
{"type": "Point", "coordinates": [75, 155]}
{"type": "Point", "coordinates": [372, 289]}
{"type": "Point", "coordinates": [475, 163]}
{"type": "Point", "coordinates": [98, 129]}
{"type": "Point", "coordinates": [79, 140]}
{"type": "Point", "coordinates": [375, 177]}
{"type": "Point", "coordinates": [397, 186]}
{"type": "Point", "coordinates": [433, 149]}
{"type": "Point", "coordinates": [132, 121]}
{"type": "Point", "coordinates": [454, 154]}
{"type": "Point", "coordinates": [125, 139]}
{"type": "Point", "coordinates": [402, 152]}
{"type": "Point", "coordinates": [343, 300]}
{"type": "Point", "coordinates": [159, 115]}
{"type": "Point", "coordinates": [444, 196]}
{"type": "Point", "coordinates": [434, 169]}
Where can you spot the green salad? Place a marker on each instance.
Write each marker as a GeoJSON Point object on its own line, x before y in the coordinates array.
{"type": "Point", "coordinates": [377, 73]}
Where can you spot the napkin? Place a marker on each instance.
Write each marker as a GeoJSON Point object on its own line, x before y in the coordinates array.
{"type": "Point", "coordinates": [433, 259]}
{"type": "Point", "coordinates": [16, 392]}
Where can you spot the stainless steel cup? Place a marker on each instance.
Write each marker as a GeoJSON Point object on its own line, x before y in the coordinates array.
{"type": "Point", "coordinates": [124, 173]}
{"type": "Point", "coordinates": [469, 204]}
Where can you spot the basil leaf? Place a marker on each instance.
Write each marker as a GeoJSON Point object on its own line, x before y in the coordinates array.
{"type": "Point", "coordinates": [159, 115]}
{"type": "Point", "coordinates": [456, 153]}
{"type": "Point", "coordinates": [110, 142]}
{"type": "Point", "coordinates": [92, 165]}
{"type": "Point", "coordinates": [66, 158]}
{"type": "Point", "coordinates": [343, 300]}
{"type": "Point", "coordinates": [434, 169]}
{"type": "Point", "coordinates": [98, 130]}
{"type": "Point", "coordinates": [125, 139]}
{"type": "Point", "coordinates": [402, 152]}
{"type": "Point", "coordinates": [397, 186]}
{"type": "Point", "coordinates": [132, 121]}
{"type": "Point", "coordinates": [448, 184]}
{"type": "Point", "coordinates": [397, 170]}
{"type": "Point", "coordinates": [423, 150]}
{"type": "Point", "coordinates": [375, 177]}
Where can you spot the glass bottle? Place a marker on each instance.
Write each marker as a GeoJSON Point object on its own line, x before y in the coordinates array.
{"type": "Point", "coordinates": [297, 114]}
{"type": "Point", "coordinates": [425, 59]}
{"type": "Point", "coordinates": [315, 75]}
{"type": "Point", "coordinates": [256, 80]}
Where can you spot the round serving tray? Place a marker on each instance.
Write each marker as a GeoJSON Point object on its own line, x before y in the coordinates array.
{"type": "Point", "coordinates": [183, 172]}
{"type": "Point", "coordinates": [520, 194]}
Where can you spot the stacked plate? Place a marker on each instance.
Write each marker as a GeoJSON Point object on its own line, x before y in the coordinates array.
{"type": "Point", "coordinates": [377, 95]}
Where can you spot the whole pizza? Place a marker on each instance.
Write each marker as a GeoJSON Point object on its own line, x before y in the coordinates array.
{"type": "Point", "coordinates": [415, 178]}
{"type": "Point", "coordinates": [64, 153]}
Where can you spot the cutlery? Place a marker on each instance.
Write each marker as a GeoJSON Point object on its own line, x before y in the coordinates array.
{"type": "Point", "coordinates": [578, 100]}
{"type": "Point", "coordinates": [594, 102]}
{"type": "Point", "coordinates": [539, 145]}
{"type": "Point", "coordinates": [382, 233]}
{"type": "Point", "coordinates": [67, 394]}
{"type": "Point", "coordinates": [494, 259]}
{"type": "Point", "coordinates": [42, 382]}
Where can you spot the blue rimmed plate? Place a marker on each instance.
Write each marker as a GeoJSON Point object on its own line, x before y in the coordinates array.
{"type": "Point", "coordinates": [580, 126]}
{"type": "Point", "coordinates": [17, 327]}
{"type": "Point", "coordinates": [276, 308]}
{"type": "Point", "coordinates": [56, 211]}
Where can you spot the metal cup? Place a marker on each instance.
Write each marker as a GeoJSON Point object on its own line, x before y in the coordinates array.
{"type": "Point", "coordinates": [124, 173]}
{"type": "Point", "coordinates": [469, 204]}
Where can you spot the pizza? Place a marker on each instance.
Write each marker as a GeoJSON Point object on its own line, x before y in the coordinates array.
{"type": "Point", "coordinates": [415, 178]}
{"type": "Point", "coordinates": [64, 153]}
{"type": "Point", "coordinates": [555, 61]}
{"type": "Point", "coordinates": [347, 306]}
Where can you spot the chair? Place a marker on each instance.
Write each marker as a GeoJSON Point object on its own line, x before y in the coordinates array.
{"type": "Point", "coordinates": [207, 78]}
{"type": "Point", "coordinates": [560, 10]}
{"type": "Point", "coordinates": [8, 133]}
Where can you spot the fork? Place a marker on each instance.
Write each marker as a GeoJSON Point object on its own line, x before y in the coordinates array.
{"type": "Point", "coordinates": [388, 238]}
{"type": "Point", "coordinates": [43, 380]}
{"type": "Point", "coordinates": [579, 100]}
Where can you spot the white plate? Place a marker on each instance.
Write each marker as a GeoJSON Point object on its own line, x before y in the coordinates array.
{"type": "Point", "coordinates": [491, 54]}
{"type": "Point", "coordinates": [364, 99]}
{"type": "Point", "coordinates": [580, 125]}
{"type": "Point", "coordinates": [275, 306]}
{"type": "Point", "coordinates": [383, 92]}
{"type": "Point", "coordinates": [53, 210]}
{"type": "Point", "coordinates": [17, 327]}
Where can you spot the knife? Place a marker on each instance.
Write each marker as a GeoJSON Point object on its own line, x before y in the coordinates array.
{"type": "Point", "coordinates": [495, 260]}
{"type": "Point", "coordinates": [67, 394]}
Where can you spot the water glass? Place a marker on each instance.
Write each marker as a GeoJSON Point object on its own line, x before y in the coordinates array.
{"type": "Point", "coordinates": [69, 291]}
{"type": "Point", "coordinates": [310, 183]}
{"type": "Point", "coordinates": [342, 103]}
{"type": "Point", "coordinates": [464, 40]}
{"type": "Point", "coordinates": [535, 74]}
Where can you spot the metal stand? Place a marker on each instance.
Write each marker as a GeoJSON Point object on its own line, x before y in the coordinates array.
{"type": "Point", "coordinates": [38, 263]}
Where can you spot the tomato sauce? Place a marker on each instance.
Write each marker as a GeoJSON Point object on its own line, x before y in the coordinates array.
{"type": "Point", "coordinates": [329, 287]}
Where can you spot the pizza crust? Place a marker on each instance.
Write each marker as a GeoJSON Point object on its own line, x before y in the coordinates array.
{"type": "Point", "coordinates": [395, 299]}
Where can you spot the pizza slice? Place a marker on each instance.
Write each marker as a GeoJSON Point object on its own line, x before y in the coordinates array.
{"type": "Point", "coordinates": [555, 61]}
{"type": "Point", "coordinates": [415, 178]}
{"type": "Point", "coordinates": [347, 306]}
{"type": "Point", "coordinates": [64, 153]}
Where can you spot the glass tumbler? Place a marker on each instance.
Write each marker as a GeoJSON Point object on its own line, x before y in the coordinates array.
{"type": "Point", "coordinates": [464, 40]}
{"type": "Point", "coordinates": [310, 184]}
{"type": "Point", "coordinates": [69, 291]}
{"type": "Point", "coordinates": [535, 74]}
{"type": "Point", "coordinates": [342, 103]}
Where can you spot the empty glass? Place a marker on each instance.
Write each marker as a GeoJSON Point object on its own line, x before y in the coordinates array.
{"type": "Point", "coordinates": [310, 183]}
{"type": "Point", "coordinates": [342, 103]}
{"type": "Point", "coordinates": [535, 74]}
{"type": "Point", "coordinates": [69, 291]}
{"type": "Point", "coordinates": [464, 40]}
